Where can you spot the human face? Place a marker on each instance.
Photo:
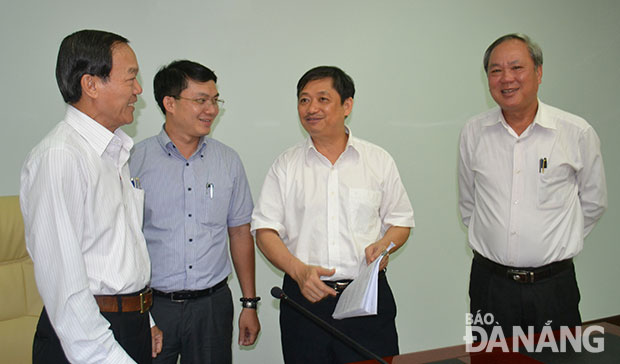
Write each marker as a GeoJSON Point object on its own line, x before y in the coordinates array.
{"type": "Point", "coordinates": [513, 78]}
{"type": "Point", "coordinates": [118, 94]}
{"type": "Point", "coordinates": [186, 117]}
{"type": "Point", "coordinates": [320, 109]}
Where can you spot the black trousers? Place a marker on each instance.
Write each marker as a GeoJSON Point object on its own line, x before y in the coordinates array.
{"type": "Point", "coordinates": [199, 329]}
{"type": "Point", "coordinates": [303, 341]}
{"type": "Point", "coordinates": [552, 301]}
{"type": "Point", "coordinates": [131, 330]}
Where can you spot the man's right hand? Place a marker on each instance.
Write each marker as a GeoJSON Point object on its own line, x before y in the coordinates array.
{"type": "Point", "coordinates": [308, 277]}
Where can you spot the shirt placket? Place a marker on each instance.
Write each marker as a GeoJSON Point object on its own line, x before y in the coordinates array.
{"type": "Point", "coordinates": [332, 217]}
{"type": "Point", "coordinates": [190, 189]}
{"type": "Point", "coordinates": [516, 197]}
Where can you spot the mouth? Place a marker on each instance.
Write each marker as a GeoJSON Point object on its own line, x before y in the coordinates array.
{"type": "Point", "coordinates": [206, 121]}
{"type": "Point", "coordinates": [509, 91]}
{"type": "Point", "coordinates": [313, 119]}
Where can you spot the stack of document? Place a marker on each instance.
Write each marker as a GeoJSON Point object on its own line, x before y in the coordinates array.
{"type": "Point", "coordinates": [360, 296]}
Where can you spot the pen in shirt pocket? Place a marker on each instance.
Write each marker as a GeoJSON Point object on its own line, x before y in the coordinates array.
{"type": "Point", "coordinates": [135, 182]}
{"type": "Point", "coordinates": [542, 165]}
{"type": "Point", "coordinates": [210, 190]}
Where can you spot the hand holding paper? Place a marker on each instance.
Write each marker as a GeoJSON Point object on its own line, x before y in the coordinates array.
{"type": "Point", "coordinates": [360, 297]}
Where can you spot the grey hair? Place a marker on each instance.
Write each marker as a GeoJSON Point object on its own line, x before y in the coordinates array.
{"type": "Point", "coordinates": [532, 47]}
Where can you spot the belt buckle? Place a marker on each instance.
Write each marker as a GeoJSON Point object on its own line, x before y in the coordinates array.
{"type": "Point", "coordinates": [522, 276]}
{"type": "Point", "coordinates": [340, 286]}
{"type": "Point", "coordinates": [175, 300]}
{"type": "Point", "coordinates": [143, 297]}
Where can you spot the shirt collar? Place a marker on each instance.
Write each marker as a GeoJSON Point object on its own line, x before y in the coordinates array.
{"type": "Point", "coordinates": [167, 144]}
{"type": "Point", "coordinates": [96, 134]}
{"type": "Point", "coordinates": [542, 119]}
{"type": "Point", "coordinates": [349, 148]}
{"type": "Point", "coordinates": [539, 119]}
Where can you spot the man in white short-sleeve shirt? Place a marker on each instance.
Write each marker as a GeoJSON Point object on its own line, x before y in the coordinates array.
{"type": "Point", "coordinates": [328, 204]}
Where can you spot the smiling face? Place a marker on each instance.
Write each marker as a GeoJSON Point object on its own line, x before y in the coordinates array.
{"type": "Point", "coordinates": [321, 110]}
{"type": "Point", "coordinates": [119, 92]}
{"type": "Point", "coordinates": [190, 116]}
{"type": "Point", "coordinates": [513, 78]}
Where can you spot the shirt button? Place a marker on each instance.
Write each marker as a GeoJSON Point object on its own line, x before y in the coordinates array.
{"type": "Point", "coordinates": [513, 233]}
{"type": "Point", "coordinates": [190, 267]}
{"type": "Point", "coordinates": [516, 202]}
{"type": "Point", "coordinates": [190, 240]}
{"type": "Point", "coordinates": [189, 188]}
{"type": "Point", "coordinates": [518, 171]}
{"type": "Point", "coordinates": [187, 164]}
{"type": "Point", "coordinates": [190, 215]}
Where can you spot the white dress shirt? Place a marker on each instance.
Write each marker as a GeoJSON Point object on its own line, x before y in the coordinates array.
{"type": "Point", "coordinates": [328, 214]}
{"type": "Point", "coordinates": [518, 213]}
{"type": "Point", "coordinates": [83, 223]}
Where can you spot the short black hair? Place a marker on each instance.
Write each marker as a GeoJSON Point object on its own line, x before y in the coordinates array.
{"type": "Point", "coordinates": [340, 80]}
{"type": "Point", "coordinates": [171, 80]}
{"type": "Point", "coordinates": [86, 52]}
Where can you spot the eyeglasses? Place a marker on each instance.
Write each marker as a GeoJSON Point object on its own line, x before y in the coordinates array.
{"type": "Point", "coordinates": [217, 102]}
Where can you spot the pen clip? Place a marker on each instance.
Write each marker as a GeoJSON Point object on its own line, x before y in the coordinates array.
{"type": "Point", "coordinates": [210, 190]}
{"type": "Point", "coordinates": [135, 182]}
{"type": "Point", "coordinates": [384, 253]}
{"type": "Point", "coordinates": [542, 165]}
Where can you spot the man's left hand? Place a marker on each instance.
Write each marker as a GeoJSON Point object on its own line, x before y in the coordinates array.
{"type": "Point", "coordinates": [373, 251]}
{"type": "Point", "coordinates": [157, 340]}
{"type": "Point", "coordinates": [248, 327]}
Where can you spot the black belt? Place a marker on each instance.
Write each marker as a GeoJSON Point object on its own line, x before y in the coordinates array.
{"type": "Point", "coordinates": [180, 296]}
{"type": "Point", "coordinates": [524, 275]}
{"type": "Point", "coordinates": [339, 286]}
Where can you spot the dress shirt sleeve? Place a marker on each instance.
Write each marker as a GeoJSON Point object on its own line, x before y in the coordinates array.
{"type": "Point", "coordinates": [241, 205]}
{"type": "Point", "coordinates": [591, 180]}
{"type": "Point", "coordinates": [53, 194]}
{"type": "Point", "coordinates": [396, 207]}
{"type": "Point", "coordinates": [466, 177]}
{"type": "Point", "coordinates": [269, 210]}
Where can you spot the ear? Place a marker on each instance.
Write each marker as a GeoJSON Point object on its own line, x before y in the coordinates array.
{"type": "Point", "coordinates": [89, 85]}
{"type": "Point", "coordinates": [348, 106]}
{"type": "Point", "coordinates": [539, 74]}
{"type": "Point", "coordinates": [169, 104]}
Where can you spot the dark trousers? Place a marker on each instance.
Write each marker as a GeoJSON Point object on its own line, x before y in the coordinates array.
{"type": "Point", "coordinates": [552, 301]}
{"type": "Point", "coordinates": [131, 330]}
{"type": "Point", "coordinates": [199, 329]}
{"type": "Point", "coordinates": [303, 341]}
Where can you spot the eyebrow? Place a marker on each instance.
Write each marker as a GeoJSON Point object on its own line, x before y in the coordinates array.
{"type": "Point", "coordinates": [133, 70]}
{"type": "Point", "coordinates": [201, 94]}
{"type": "Point", "coordinates": [509, 63]}
{"type": "Point", "coordinates": [324, 92]}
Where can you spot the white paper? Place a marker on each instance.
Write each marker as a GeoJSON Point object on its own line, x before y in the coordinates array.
{"type": "Point", "coordinates": [360, 296]}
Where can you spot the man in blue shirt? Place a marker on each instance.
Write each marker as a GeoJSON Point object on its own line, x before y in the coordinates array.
{"type": "Point", "coordinates": [196, 196]}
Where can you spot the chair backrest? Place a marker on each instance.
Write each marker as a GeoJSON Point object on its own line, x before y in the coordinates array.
{"type": "Point", "coordinates": [20, 303]}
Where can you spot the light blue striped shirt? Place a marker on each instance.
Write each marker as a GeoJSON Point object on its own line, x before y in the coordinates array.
{"type": "Point", "coordinates": [189, 205]}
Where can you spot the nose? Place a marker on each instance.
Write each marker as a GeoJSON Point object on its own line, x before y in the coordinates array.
{"type": "Point", "coordinates": [313, 106]}
{"type": "Point", "coordinates": [136, 87]}
{"type": "Point", "coordinates": [507, 76]}
{"type": "Point", "coordinates": [211, 105]}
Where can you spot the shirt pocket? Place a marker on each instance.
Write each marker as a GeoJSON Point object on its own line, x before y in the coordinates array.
{"type": "Point", "coordinates": [364, 211]}
{"type": "Point", "coordinates": [137, 196]}
{"type": "Point", "coordinates": [214, 211]}
{"type": "Point", "coordinates": [554, 186]}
